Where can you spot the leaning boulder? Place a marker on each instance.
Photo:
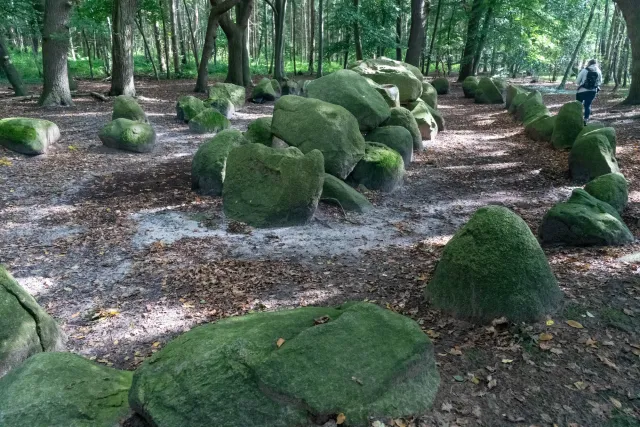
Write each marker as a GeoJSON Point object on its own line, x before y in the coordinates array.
{"type": "Point", "coordinates": [336, 191]}
{"type": "Point", "coordinates": [209, 164]}
{"type": "Point", "coordinates": [500, 83]}
{"type": "Point", "coordinates": [188, 107]}
{"type": "Point", "coordinates": [568, 125]}
{"type": "Point", "coordinates": [351, 91]}
{"type": "Point", "coordinates": [28, 136]}
{"type": "Point", "coordinates": [64, 389]}
{"type": "Point", "coordinates": [259, 132]}
{"type": "Point", "coordinates": [469, 86]}
{"type": "Point", "coordinates": [429, 95]}
{"type": "Point", "coordinates": [531, 109]}
{"type": "Point", "coordinates": [229, 91]}
{"type": "Point", "coordinates": [275, 84]}
{"type": "Point", "coordinates": [591, 126]}
{"type": "Point", "coordinates": [487, 92]}
{"type": "Point", "coordinates": [541, 129]}
{"type": "Point", "coordinates": [128, 135]}
{"type": "Point", "coordinates": [441, 84]}
{"type": "Point", "coordinates": [590, 157]}
{"type": "Point", "coordinates": [283, 369]}
{"type": "Point", "coordinates": [263, 92]}
{"type": "Point", "coordinates": [126, 107]}
{"type": "Point", "coordinates": [512, 92]}
{"type": "Point", "coordinates": [611, 188]}
{"type": "Point", "coordinates": [208, 121]}
{"type": "Point", "coordinates": [518, 99]}
{"type": "Point", "coordinates": [426, 121]}
{"type": "Point", "coordinates": [607, 132]}
{"type": "Point", "coordinates": [267, 187]}
{"type": "Point", "coordinates": [396, 138]}
{"type": "Point", "coordinates": [387, 71]}
{"type": "Point", "coordinates": [402, 117]}
{"type": "Point", "coordinates": [311, 124]}
{"type": "Point", "coordinates": [584, 220]}
{"type": "Point", "coordinates": [25, 328]}
{"type": "Point", "coordinates": [494, 267]}
{"type": "Point", "coordinates": [437, 116]}
{"type": "Point", "coordinates": [381, 168]}
{"type": "Point", "coordinates": [390, 93]}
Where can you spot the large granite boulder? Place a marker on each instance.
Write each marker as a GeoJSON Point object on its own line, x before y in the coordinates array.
{"type": "Point", "coordinates": [396, 138]}
{"type": "Point", "coordinates": [223, 106]}
{"type": "Point", "coordinates": [290, 368]}
{"type": "Point", "coordinates": [386, 71]}
{"type": "Point", "coordinates": [25, 328]}
{"type": "Point", "coordinates": [494, 267]}
{"type": "Point", "coordinates": [584, 220]}
{"type": "Point", "coordinates": [28, 136]}
{"type": "Point", "coordinates": [268, 187]}
{"type": "Point", "coordinates": [512, 91]}
{"type": "Point", "coordinates": [336, 191]}
{"type": "Point", "coordinates": [389, 93]}
{"type": "Point", "coordinates": [64, 389]}
{"type": "Point", "coordinates": [209, 165]}
{"type": "Point", "coordinates": [441, 84]}
{"type": "Point", "coordinates": [402, 117]}
{"type": "Point", "coordinates": [569, 124]}
{"type": "Point", "coordinates": [541, 129]}
{"type": "Point", "coordinates": [381, 168]}
{"type": "Point", "coordinates": [437, 116]}
{"type": "Point", "coordinates": [591, 126]}
{"type": "Point", "coordinates": [311, 124]}
{"type": "Point", "coordinates": [208, 121]}
{"type": "Point", "coordinates": [611, 188]}
{"type": "Point", "coordinates": [469, 86]}
{"type": "Point", "coordinates": [234, 93]}
{"type": "Point", "coordinates": [128, 135]}
{"type": "Point", "coordinates": [259, 131]}
{"type": "Point", "coordinates": [188, 107]}
{"type": "Point", "coordinates": [487, 92]}
{"type": "Point", "coordinates": [429, 95]}
{"type": "Point", "coordinates": [531, 109]}
{"type": "Point", "coordinates": [590, 157]}
{"type": "Point", "coordinates": [289, 87]}
{"type": "Point", "coordinates": [126, 107]}
{"type": "Point", "coordinates": [518, 99]}
{"type": "Point", "coordinates": [351, 91]}
{"type": "Point", "coordinates": [263, 92]}
{"type": "Point", "coordinates": [607, 132]}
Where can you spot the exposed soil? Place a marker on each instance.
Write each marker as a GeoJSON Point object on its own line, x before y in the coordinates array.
{"type": "Point", "coordinates": [119, 249]}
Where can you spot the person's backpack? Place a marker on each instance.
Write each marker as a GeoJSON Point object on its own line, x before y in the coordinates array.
{"type": "Point", "coordinates": [591, 81]}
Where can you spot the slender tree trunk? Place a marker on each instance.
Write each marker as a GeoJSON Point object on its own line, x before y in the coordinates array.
{"type": "Point", "coordinates": [631, 14]}
{"type": "Point", "coordinates": [165, 36]}
{"type": "Point", "coordinates": [88, 46]}
{"type": "Point", "coordinates": [483, 36]}
{"type": "Point", "coordinates": [621, 63]}
{"type": "Point", "coordinates": [122, 48]}
{"type": "Point", "coordinates": [356, 31]}
{"type": "Point", "coordinates": [72, 49]}
{"type": "Point", "coordinates": [433, 36]}
{"type": "Point", "coordinates": [320, 38]}
{"type": "Point", "coordinates": [625, 62]}
{"type": "Point", "coordinates": [577, 49]}
{"type": "Point", "coordinates": [194, 45]}
{"type": "Point", "coordinates": [140, 24]}
{"type": "Point", "coordinates": [158, 43]}
{"type": "Point", "coordinates": [279, 11]}
{"type": "Point", "coordinates": [603, 38]}
{"type": "Point", "coordinates": [174, 36]}
{"type": "Point", "coordinates": [419, 14]}
{"type": "Point", "coordinates": [239, 72]}
{"type": "Point", "coordinates": [312, 34]}
{"type": "Point", "coordinates": [471, 44]}
{"type": "Point", "coordinates": [399, 38]}
{"type": "Point", "coordinates": [613, 47]}
{"type": "Point", "coordinates": [293, 34]}
{"type": "Point", "coordinates": [183, 49]}
{"type": "Point", "coordinates": [346, 51]}
{"type": "Point", "coordinates": [10, 71]}
{"type": "Point", "coordinates": [55, 44]}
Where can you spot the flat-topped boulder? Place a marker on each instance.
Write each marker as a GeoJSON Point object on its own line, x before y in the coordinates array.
{"type": "Point", "coordinates": [229, 91]}
{"type": "Point", "coordinates": [590, 157]}
{"type": "Point", "coordinates": [396, 138]}
{"type": "Point", "coordinates": [259, 131]}
{"type": "Point", "coordinates": [402, 117]}
{"type": "Point", "coordinates": [611, 188]}
{"type": "Point", "coordinates": [387, 71]}
{"type": "Point", "coordinates": [209, 164]}
{"type": "Point", "coordinates": [607, 132]}
{"type": "Point", "coordinates": [512, 92]}
{"type": "Point", "coordinates": [569, 124]}
{"type": "Point", "coordinates": [541, 129]}
{"type": "Point", "coordinates": [128, 135]}
{"type": "Point", "coordinates": [487, 92]}
{"type": "Point", "coordinates": [381, 168]}
{"type": "Point", "coordinates": [336, 191]}
{"type": "Point", "coordinates": [28, 136]}
{"type": "Point", "coordinates": [188, 107]}
{"type": "Point", "coordinates": [208, 121]}
{"type": "Point", "coordinates": [126, 107]}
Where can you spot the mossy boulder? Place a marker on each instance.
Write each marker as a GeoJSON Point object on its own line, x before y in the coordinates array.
{"type": "Point", "coordinates": [351, 91]}
{"type": "Point", "coordinates": [441, 84]}
{"type": "Point", "coordinates": [64, 389]}
{"type": "Point", "coordinates": [437, 116]}
{"type": "Point", "coordinates": [396, 138]}
{"type": "Point", "coordinates": [386, 71]}
{"type": "Point", "coordinates": [512, 91]}
{"type": "Point", "coordinates": [290, 87]}
{"type": "Point", "coordinates": [568, 125]}
{"type": "Point", "coordinates": [223, 106]}
{"type": "Point", "coordinates": [518, 99]}
{"type": "Point", "coordinates": [607, 132]}
{"type": "Point", "coordinates": [275, 84]}
{"type": "Point", "coordinates": [263, 92]}
{"type": "Point", "coordinates": [590, 157]}
{"type": "Point", "coordinates": [500, 83]}
{"type": "Point", "coordinates": [487, 92]}
{"type": "Point", "coordinates": [402, 117]}
{"type": "Point", "coordinates": [425, 119]}
{"type": "Point", "coordinates": [234, 93]}
{"type": "Point", "coordinates": [268, 187]}
{"type": "Point", "coordinates": [128, 135]}
{"type": "Point", "coordinates": [584, 220]}
{"type": "Point", "coordinates": [126, 107]}
{"type": "Point", "coordinates": [336, 191]}
{"type": "Point", "coordinates": [28, 136]}
{"type": "Point", "coordinates": [493, 267]}
{"type": "Point", "coordinates": [469, 86]}
{"type": "Point", "coordinates": [541, 129]}
{"type": "Point", "coordinates": [531, 109]}
{"type": "Point", "coordinates": [591, 126]}
{"type": "Point", "coordinates": [208, 121]}
{"type": "Point", "coordinates": [429, 95]}
{"type": "Point", "coordinates": [311, 124]}
{"type": "Point", "coordinates": [290, 368]}
{"type": "Point", "coordinates": [188, 107]}
{"type": "Point", "coordinates": [611, 188]}
{"type": "Point", "coordinates": [389, 93]}
{"type": "Point", "coordinates": [209, 164]}
{"type": "Point", "coordinates": [259, 131]}
{"type": "Point", "coordinates": [381, 168]}
{"type": "Point", "coordinates": [25, 328]}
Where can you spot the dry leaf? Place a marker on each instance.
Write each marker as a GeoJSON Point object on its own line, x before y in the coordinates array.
{"type": "Point", "coordinates": [591, 342]}
{"type": "Point", "coordinates": [545, 345]}
{"type": "Point", "coordinates": [455, 352]}
{"type": "Point", "coordinates": [280, 342]}
{"type": "Point", "coordinates": [574, 324]}
{"type": "Point", "coordinates": [507, 360]}
{"type": "Point", "coordinates": [545, 337]}
{"type": "Point", "coordinates": [550, 322]}
{"type": "Point", "coordinates": [616, 402]}
{"type": "Point", "coordinates": [156, 344]}
{"type": "Point", "coordinates": [446, 407]}
{"type": "Point", "coordinates": [580, 385]}
{"type": "Point", "coordinates": [399, 423]}
{"type": "Point", "coordinates": [341, 417]}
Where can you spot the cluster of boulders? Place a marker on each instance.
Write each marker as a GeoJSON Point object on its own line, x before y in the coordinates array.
{"type": "Point", "coordinates": [213, 114]}
{"type": "Point", "coordinates": [484, 90]}
{"type": "Point", "coordinates": [591, 216]}
{"type": "Point", "coordinates": [129, 128]}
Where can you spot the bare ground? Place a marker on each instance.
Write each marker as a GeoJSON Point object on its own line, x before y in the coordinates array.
{"type": "Point", "coordinates": [125, 256]}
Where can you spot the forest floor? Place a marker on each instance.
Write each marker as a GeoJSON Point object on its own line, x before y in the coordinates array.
{"type": "Point", "coordinates": [119, 249]}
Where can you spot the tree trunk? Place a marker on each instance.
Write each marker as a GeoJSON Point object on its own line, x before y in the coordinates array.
{"type": "Point", "coordinates": [471, 44]}
{"type": "Point", "coordinates": [165, 37]}
{"type": "Point", "coordinates": [419, 13]}
{"type": "Point", "coordinates": [293, 34]}
{"type": "Point", "coordinates": [320, 39]}
{"type": "Point", "coordinates": [621, 63]}
{"type": "Point", "coordinates": [356, 31]}
{"type": "Point", "coordinates": [156, 37]}
{"type": "Point", "coordinates": [279, 12]}
{"type": "Point", "coordinates": [433, 37]}
{"type": "Point", "coordinates": [483, 36]}
{"type": "Point", "coordinates": [55, 44]}
{"type": "Point", "coordinates": [603, 35]}
{"type": "Point", "coordinates": [577, 49]}
{"type": "Point", "coordinates": [72, 49]}
{"type": "Point", "coordinates": [312, 34]}
{"type": "Point", "coordinates": [625, 63]}
{"type": "Point", "coordinates": [238, 72]}
{"type": "Point", "coordinates": [194, 45]}
{"type": "Point", "coordinates": [399, 38]}
{"type": "Point", "coordinates": [345, 60]}
{"type": "Point", "coordinates": [614, 46]}
{"type": "Point", "coordinates": [140, 24]}
{"type": "Point", "coordinates": [10, 71]}
{"type": "Point", "coordinates": [183, 49]}
{"type": "Point", "coordinates": [174, 36]}
{"type": "Point", "coordinates": [88, 46]}
{"type": "Point", "coordinates": [631, 15]}
{"type": "Point", "coordinates": [122, 48]}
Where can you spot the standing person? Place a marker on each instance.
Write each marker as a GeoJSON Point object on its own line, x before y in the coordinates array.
{"type": "Point", "coordinates": [588, 81]}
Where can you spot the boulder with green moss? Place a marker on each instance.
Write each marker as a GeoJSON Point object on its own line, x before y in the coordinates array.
{"type": "Point", "coordinates": [402, 117]}
{"type": "Point", "coordinates": [223, 105]}
{"type": "Point", "coordinates": [188, 107]}
{"type": "Point", "coordinates": [208, 121]}
{"type": "Point", "coordinates": [268, 187]}
{"type": "Point", "coordinates": [396, 138]}
{"type": "Point", "coordinates": [518, 99]}
{"type": "Point", "coordinates": [590, 157]}
{"type": "Point", "coordinates": [263, 92]}
{"type": "Point", "coordinates": [531, 109]}
{"type": "Point", "coordinates": [351, 91]}
{"type": "Point", "coordinates": [541, 129]}
{"type": "Point", "coordinates": [611, 188]}
{"type": "Point", "coordinates": [386, 71]}
{"type": "Point", "coordinates": [437, 116]}
{"type": "Point", "coordinates": [25, 328]}
{"type": "Point", "coordinates": [64, 389]}
{"type": "Point", "coordinates": [469, 86]}
{"type": "Point", "coordinates": [569, 124]}
{"type": "Point", "coordinates": [607, 132]}
{"type": "Point", "coordinates": [28, 136]}
{"type": "Point", "coordinates": [209, 164]}
{"type": "Point", "coordinates": [500, 83]}
{"type": "Point", "coordinates": [126, 107]}
{"type": "Point", "coordinates": [494, 267]}
{"type": "Point", "coordinates": [441, 84]}
{"type": "Point", "coordinates": [290, 87]}
{"type": "Point", "coordinates": [487, 92]}
{"type": "Point", "coordinates": [275, 84]}
{"type": "Point", "coordinates": [259, 131]}
{"type": "Point", "coordinates": [429, 95]}
{"type": "Point", "coordinates": [311, 124]}
{"type": "Point", "coordinates": [591, 126]}
{"type": "Point", "coordinates": [128, 135]}
{"type": "Point", "coordinates": [389, 93]}
{"type": "Point", "coordinates": [228, 91]}
{"type": "Point", "coordinates": [425, 118]}
{"type": "Point", "coordinates": [381, 168]}
{"type": "Point", "coordinates": [511, 92]}
{"type": "Point", "coordinates": [584, 220]}
{"type": "Point", "coordinates": [336, 191]}
{"type": "Point", "coordinates": [290, 368]}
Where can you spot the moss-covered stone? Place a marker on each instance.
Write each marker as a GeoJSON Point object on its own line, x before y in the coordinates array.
{"type": "Point", "coordinates": [396, 138]}
{"type": "Point", "coordinates": [381, 168]}
{"type": "Point", "coordinates": [429, 95]}
{"type": "Point", "coordinates": [568, 125]}
{"type": "Point", "coordinates": [267, 187]}
{"type": "Point", "coordinates": [590, 157]}
{"type": "Point", "coordinates": [276, 87]}
{"type": "Point", "coordinates": [531, 109]}
{"type": "Point", "coordinates": [311, 124]}
{"type": "Point", "coordinates": [208, 121]}
{"type": "Point", "coordinates": [518, 99]}
{"type": "Point", "coordinates": [611, 188]}
{"type": "Point", "coordinates": [64, 389]}
{"type": "Point", "coordinates": [402, 117]}
{"type": "Point", "coordinates": [425, 118]}
{"type": "Point", "coordinates": [28, 136]}
{"type": "Point", "coordinates": [584, 220]}
{"type": "Point", "coordinates": [126, 107]}
{"type": "Point", "coordinates": [223, 105]}
{"type": "Point", "coordinates": [128, 135]}
{"type": "Point", "coordinates": [494, 267]}
{"type": "Point", "coordinates": [512, 91]}
{"type": "Point", "coordinates": [386, 71]}
{"type": "Point", "coordinates": [591, 126]}
{"type": "Point", "coordinates": [334, 190]}
{"type": "Point", "coordinates": [208, 168]}
{"type": "Point", "coordinates": [290, 87]}
{"type": "Point", "coordinates": [351, 91]}
{"type": "Point", "coordinates": [469, 86]}
{"type": "Point", "coordinates": [389, 93]}
{"type": "Point", "coordinates": [234, 93]}
{"type": "Point", "coordinates": [487, 92]}
{"type": "Point", "coordinates": [234, 374]}
{"type": "Point", "coordinates": [500, 83]}
{"type": "Point", "coordinates": [259, 132]}
{"type": "Point", "coordinates": [541, 129]}
{"type": "Point", "coordinates": [607, 132]}
{"type": "Point", "coordinates": [188, 107]}
{"type": "Point", "coordinates": [437, 116]}
{"type": "Point", "coordinates": [25, 328]}
{"type": "Point", "coordinates": [441, 84]}
{"type": "Point", "coordinates": [263, 92]}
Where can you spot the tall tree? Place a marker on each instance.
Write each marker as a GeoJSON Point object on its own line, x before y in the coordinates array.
{"type": "Point", "coordinates": [122, 83]}
{"type": "Point", "coordinates": [320, 39]}
{"type": "Point", "coordinates": [173, 16]}
{"type": "Point", "coordinates": [631, 14]}
{"type": "Point", "coordinates": [433, 37]}
{"type": "Point", "coordinates": [419, 14]}
{"type": "Point", "coordinates": [471, 44]}
{"type": "Point", "coordinates": [9, 70]}
{"type": "Point", "coordinates": [488, 17]}
{"type": "Point", "coordinates": [55, 45]}
{"type": "Point", "coordinates": [578, 46]}
{"type": "Point", "coordinates": [236, 32]}
{"type": "Point", "coordinates": [356, 30]}
{"type": "Point", "coordinates": [312, 34]}
{"type": "Point", "coordinates": [279, 8]}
